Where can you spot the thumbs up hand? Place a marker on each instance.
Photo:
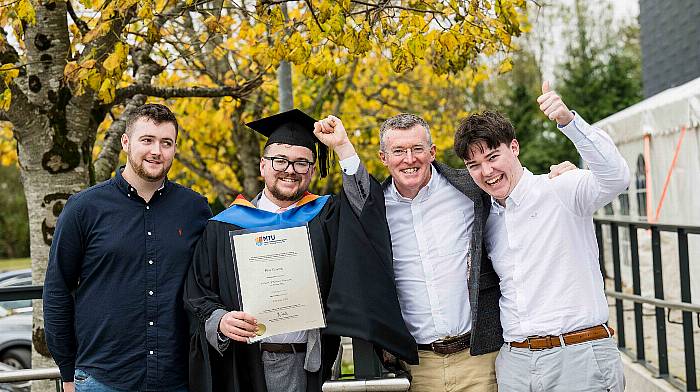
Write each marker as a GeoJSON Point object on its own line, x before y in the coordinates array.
{"type": "Point", "coordinates": [553, 107]}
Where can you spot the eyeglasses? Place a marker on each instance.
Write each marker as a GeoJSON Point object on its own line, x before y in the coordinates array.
{"type": "Point", "coordinates": [281, 164]}
{"type": "Point", "coordinates": [402, 152]}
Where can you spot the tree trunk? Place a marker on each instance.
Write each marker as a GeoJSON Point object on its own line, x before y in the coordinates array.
{"type": "Point", "coordinates": [284, 76]}
{"type": "Point", "coordinates": [55, 134]}
{"type": "Point", "coordinates": [284, 79]}
{"type": "Point", "coordinates": [53, 166]}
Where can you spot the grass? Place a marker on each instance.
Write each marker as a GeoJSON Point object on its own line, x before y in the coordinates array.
{"type": "Point", "coordinates": [15, 264]}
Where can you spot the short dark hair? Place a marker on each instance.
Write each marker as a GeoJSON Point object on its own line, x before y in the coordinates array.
{"type": "Point", "coordinates": [155, 112]}
{"type": "Point", "coordinates": [491, 128]}
{"type": "Point", "coordinates": [266, 150]}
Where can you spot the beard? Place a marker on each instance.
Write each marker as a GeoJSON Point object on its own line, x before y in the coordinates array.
{"type": "Point", "coordinates": [286, 196]}
{"type": "Point", "coordinates": [137, 165]}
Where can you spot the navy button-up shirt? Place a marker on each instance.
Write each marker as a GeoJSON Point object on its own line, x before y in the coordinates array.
{"type": "Point", "coordinates": [113, 289]}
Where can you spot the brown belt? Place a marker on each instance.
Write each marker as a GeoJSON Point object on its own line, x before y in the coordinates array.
{"type": "Point", "coordinates": [283, 348]}
{"type": "Point", "coordinates": [546, 342]}
{"type": "Point", "coordinates": [449, 345]}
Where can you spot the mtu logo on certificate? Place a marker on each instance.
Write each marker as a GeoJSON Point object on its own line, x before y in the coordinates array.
{"type": "Point", "coordinates": [267, 240]}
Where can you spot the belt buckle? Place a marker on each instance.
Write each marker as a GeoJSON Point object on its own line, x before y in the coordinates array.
{"type": "Point", "coordinates": [529, 345]}
{"type": "Point", "coordinates": [432, 345]}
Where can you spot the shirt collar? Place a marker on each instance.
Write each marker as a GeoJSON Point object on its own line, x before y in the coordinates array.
{"type": "Point", "coordinates": [517, 195]}
{"type": "Point", "coordinates": [124, 185]}
{"type": "Point", "coordinates": [268, 205]}
{"type": "Point", "coordinates": [424, 192]}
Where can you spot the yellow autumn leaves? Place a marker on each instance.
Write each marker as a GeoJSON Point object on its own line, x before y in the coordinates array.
{"type": "Point", "coordinates": [362, 60]}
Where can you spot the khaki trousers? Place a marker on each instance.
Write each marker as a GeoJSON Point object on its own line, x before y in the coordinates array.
{"type": "Point", "coordinates": [454, 372]}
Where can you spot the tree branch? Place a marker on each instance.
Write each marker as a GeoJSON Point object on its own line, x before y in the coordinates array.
{"type": "Point", "coordinates": [313, 14]}
{"type": "Point", "coordinates": [20, 106]}
{"type": "Point", "coordinates": [224, 191]}
{"type": "Point", "coordinates": [183, 92]}
{"type": "Point", "coordinates": [82, 26]}
{"type": "Point", "coordinates": [102, 46]}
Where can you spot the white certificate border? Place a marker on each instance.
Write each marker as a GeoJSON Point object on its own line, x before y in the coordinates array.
{"type": "Point", "coordinates": [233, 233]}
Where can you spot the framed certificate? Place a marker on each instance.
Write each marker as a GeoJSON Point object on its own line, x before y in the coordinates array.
{"type": "Point", "coordinates": [277, 281]}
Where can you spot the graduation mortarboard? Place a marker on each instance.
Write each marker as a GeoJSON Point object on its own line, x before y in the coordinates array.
{"type": "Point", "coordinates": [296, 128]}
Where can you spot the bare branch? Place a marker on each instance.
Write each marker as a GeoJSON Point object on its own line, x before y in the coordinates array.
{"type": "Point", "coordinates": [397, 7]}
{"type": "Point", "coordinates": [82, 26]}
{"type": "Point", "coordinates": [221, 188]}
{"type": "Point", "coordinates": [102, 46]}
{"type": "Point", "coordinates": [20, 106]}
{"type": "Point", "coordinates": [8, 53]}
{"type": "Point", "coordinates": [313, 14]}
{"type": "Point", "coordinates": [183, 92]}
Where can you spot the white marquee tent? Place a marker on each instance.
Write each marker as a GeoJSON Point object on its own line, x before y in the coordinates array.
{"type": "Point", "coordinates": [660, 139]}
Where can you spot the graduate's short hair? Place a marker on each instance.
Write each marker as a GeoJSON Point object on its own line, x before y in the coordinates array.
{"type": "Point", "coordinates": [489, 127]}
{"type": "Point", "coordinates": [402, 121]}
{"type": "Point", "coordinates": [157, 113]}
{"type": "Point", "coordinates": [266, 150]}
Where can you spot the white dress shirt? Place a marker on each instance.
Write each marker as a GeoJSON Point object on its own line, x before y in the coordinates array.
{"type": "Point", "coordinates": [430, 237]}
{"type": "Point", "coordinates": [543, 244]}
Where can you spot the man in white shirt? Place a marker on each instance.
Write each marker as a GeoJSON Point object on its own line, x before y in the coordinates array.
{"type": "Point", "coordinates": [541, 240]}
{"type": "Point", "coordinates": [448, 294]}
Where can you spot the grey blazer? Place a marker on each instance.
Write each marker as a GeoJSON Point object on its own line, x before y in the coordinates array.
{"type": "Point", "coordinates": [484, 290]}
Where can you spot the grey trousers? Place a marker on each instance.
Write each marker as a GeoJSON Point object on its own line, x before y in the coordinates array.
{"type": "Point", "coordinates": [591, 366]}
{"type": "Point", "coordinates": [284, 372]}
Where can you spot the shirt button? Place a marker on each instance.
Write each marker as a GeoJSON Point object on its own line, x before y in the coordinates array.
{"type": "Point", "coordinates": [150, 292]}
{"type": "Point", "coordinates": [150, 261]}
{"type": "Point", "coordinates": [151, 352]}
{"type": "Point", "coordinates": [149, 233]}
{"type": "Point", "coordinates": [150, 323]}
{"type": "Point", "coordinates": [148, 208]}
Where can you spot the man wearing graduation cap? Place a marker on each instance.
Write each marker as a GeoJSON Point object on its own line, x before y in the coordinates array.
{"type": "Point", "coordinates": [350, 242]}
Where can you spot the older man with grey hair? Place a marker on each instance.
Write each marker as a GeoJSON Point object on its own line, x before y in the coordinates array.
{"type": "Point", "coordinates": [448, 291]}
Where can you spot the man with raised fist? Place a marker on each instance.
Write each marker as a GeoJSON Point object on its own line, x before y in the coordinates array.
{"type": "Point", "coordinates": [541, 240]}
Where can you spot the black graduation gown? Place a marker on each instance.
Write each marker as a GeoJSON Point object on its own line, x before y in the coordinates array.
{"type": "Point", "coordinates": [353, 264]}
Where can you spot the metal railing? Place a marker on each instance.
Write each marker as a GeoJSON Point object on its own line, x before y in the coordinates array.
{"type": "Point", "coordinates": [17, 376]}
{"type": "Point", "coordinates": [660, 304]}
{"type": "Point", "coordinates": [368, 372]}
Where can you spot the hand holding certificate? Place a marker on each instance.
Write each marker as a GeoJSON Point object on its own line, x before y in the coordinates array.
{"type": "Point", "coordinates": [277, 280]}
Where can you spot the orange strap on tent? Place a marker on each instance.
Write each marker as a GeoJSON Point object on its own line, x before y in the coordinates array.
{"type": "Point", "coordinates": [647, 175]}
{"type": "Point", "coordinates": [668, 176]}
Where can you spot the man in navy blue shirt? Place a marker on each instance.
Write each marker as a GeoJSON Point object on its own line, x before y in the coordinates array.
{"type": "Point", "coordinates": [113, 311]}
